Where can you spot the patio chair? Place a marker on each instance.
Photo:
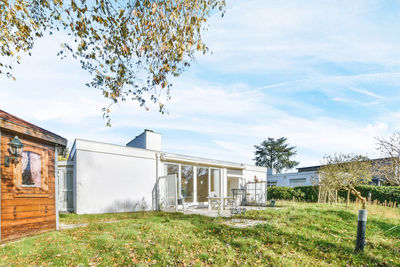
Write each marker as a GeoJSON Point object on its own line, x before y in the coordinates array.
{"type": "Point", "coordinates": [236, 208]}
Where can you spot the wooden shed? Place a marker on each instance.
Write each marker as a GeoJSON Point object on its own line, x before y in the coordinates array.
{"type": "Point", "coordinates": [28, 156]}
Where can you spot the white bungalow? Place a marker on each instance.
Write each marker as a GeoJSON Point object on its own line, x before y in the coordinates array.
{"type": "Point", "coordinates": [101, 177]}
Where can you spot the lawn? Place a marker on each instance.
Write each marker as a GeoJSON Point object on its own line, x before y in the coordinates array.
{"type": "Point", "coordinates": [294, 234]}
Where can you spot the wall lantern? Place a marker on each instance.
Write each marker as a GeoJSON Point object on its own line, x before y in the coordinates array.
{"type": "Point", "coordinates": [15, 150]}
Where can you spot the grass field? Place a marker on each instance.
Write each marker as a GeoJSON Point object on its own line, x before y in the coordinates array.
{"type": "Point", "coordinates": [295, 234]}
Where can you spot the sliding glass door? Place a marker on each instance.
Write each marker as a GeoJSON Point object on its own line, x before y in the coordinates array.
{"type": "Point", "coordinates": [232, 183]}
{"type": "Point", "coordinates": [202, 184]}
{"type": "Point", "coordinates": [196, 181]}
{"type": "Point", "coordinates": [187, 182]}
{"type": "Point", "coordinates": [216, 185]}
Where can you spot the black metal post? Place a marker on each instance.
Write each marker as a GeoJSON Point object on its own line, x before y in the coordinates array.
{"type": "Point", "coordinates": [361, 227]}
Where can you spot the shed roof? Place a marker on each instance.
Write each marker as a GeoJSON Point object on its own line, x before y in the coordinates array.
{"type": "Point", "coordinates": [15, 124]}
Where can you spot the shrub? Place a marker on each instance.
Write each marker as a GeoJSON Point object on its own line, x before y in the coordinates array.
{"type": "Point", "coordinates": [310, 193]}
{"type": "Point", "coordinates": [284, 193]}
{"type": "Point", "coordinates": [380, 193]}
{"type": "Point", "coordinates": [278, 192]}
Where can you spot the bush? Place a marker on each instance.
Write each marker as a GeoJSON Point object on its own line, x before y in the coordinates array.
{"type": "Point", "coordinates": [278, 192]}
{"type": "Point", "coordinates": [380, 193]}
{"type": "Point", "coordinates": [310, 193]}
{"type": "Point", "coordinates": [284, 193]}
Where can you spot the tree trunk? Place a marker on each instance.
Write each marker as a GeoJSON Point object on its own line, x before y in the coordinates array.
{"type": "Point", "coordinates": [319, 194]}
{"type": "Point", "coordinates": [336, 196]}
{"type": "Point", "coordinates": [348, 199]}
{"type": "Point", "coordinates": [360, 197]}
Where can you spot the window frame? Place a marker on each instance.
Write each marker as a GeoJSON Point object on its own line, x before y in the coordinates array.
{"type": "Point", "coordinates": [41, 172]}
{"type": "Point", "coordinates": [297, 184]}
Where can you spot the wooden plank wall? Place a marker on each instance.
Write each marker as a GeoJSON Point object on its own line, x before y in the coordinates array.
{"type": "Point", "coordinates": [27, 210]}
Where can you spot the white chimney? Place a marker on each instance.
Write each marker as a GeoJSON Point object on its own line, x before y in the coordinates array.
{"type": "Point", "coordinates": [147, 140]}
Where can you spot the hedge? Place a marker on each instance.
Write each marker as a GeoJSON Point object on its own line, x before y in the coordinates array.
{"type": "Point", "coordinates": [285, 193]}
{"type": "Point", "coordinates": [310, 193]}
{"type": "Point", "coordinates": [380, 193]}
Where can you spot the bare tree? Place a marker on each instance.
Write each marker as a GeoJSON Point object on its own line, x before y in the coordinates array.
{"type": "Point", "coordinates": [345, 172]}
{"type": "Point", "coordinates": [389, 167]}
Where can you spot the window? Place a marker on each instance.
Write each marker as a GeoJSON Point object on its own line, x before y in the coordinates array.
{"type": "Point", "coordinates": [233, 172]}
{"type": "Point", "coordinates": [31, 169]}
{"type": "Point", "coordinates": [171, 169]}
{"type": "Point", "coordinates": [187, 182]}
{"type": "Point", "coordinates": [202, 184]}
{"type": "Point", "coordinates": [232, 183]}
{"type": "Point", "coordinates": [298, 182]}
{"type": "Point", "coordinates": [186, 179]}
{"type": "Point", "coordinates": [271, 183]}
{"type": "Point", "coordinates": [215, 187]}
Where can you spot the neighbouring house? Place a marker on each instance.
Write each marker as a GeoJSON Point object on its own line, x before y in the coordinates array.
{"type": "Point", "coordinates": [28, 156]}
{"type": "Point", "coordinates": [307, 176]}
{"type": "Point", "coordinates": [303, 177]}
{"type": "Point", "coordinates": [100, 177]}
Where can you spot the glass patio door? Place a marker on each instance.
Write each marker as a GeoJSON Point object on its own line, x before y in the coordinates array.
{"type": "Point", "coordinates": [202, 184]}
{"type": "Point", "coordinates": [232, 183]}
{"type": "Point", "coordinates": [215, 183]}
{"type": "Point", "coordinates": [187, 182]}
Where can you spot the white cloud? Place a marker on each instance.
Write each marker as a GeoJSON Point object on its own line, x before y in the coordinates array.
{"type": "Point", "coordinates": [295, 35]}
{"type": "Point", "coordinates": [236, 131]}
{"type": "Point", "coordinates": [366, 92]}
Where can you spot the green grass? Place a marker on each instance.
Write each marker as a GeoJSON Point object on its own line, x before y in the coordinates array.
{"type": "Point", "coordinates": [297, 234]}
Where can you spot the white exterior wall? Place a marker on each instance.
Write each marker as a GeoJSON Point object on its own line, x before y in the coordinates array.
{"type": "Point", "coordinates": [283, 179]}
{"type": "Point", "coordinates": [147, 140]}
{"type": "Point", "coordinates": [153, 141]}
{"type": "Point", "coordinates": [251, 171]}
{"type": "Point", "coordinates": [261, 174]}
{"type": "Point", "coordinates": [113, 178]}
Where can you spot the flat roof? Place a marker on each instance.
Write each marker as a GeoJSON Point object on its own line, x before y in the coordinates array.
{"type": "Point", "coordinates": [200, 160]}
{"type": "Point", "coordinates": [173, 157]}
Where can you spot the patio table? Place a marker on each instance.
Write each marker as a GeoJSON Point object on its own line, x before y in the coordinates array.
{"type": "Point", "coordinates": [219, 201]}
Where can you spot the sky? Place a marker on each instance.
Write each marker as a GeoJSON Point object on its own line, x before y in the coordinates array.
{"type": "Point", "coordinates": [324, 74]}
